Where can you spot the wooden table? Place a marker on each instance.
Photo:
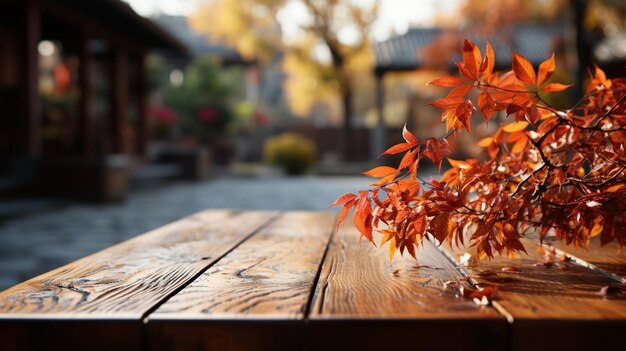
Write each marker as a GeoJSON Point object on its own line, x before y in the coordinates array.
{"type": "Point", "coordinates": [233, 280]}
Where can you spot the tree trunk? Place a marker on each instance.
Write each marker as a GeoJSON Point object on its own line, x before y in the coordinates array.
{"type": "Point", "coordinates": [583, 49]}
{"type": "Point", "coordinates": [346, 110]}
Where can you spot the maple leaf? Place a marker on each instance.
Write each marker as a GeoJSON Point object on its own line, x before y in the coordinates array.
{"type": "Point", "coordinates": [546, 69]}
{"type": "Point", "coordinates": [446, 82]}
{"type": "Point", "coordinates": [439, 227]}
{"type": "Point", "coordinates": [380, 172]}
{"type": "Point", "coordinates": [555, 87]}
{"type": "Point", "coordinates": [556, 171]}
{"type": "Point", "coordinates": [523, 69]}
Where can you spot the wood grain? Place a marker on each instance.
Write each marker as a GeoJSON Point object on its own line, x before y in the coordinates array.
{"type": "Point", "coordinates": [605, 258]}
{"type": "Point", "coordinates": [248, 298]}
{"type": "Point", "coordinates": [363, 301]}
{"type": "Point", "coordinates": [550, 304]}
{"type": "Point", "coordinates": [127, 280]}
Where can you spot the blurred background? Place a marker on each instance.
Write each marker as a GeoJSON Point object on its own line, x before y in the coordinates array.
{"type": "Point", "coordinates": [117, 117]}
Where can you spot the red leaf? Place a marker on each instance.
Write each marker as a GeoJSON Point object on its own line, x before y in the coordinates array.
{"type": "Point", "coordinates": [409, 137]}
{"type": "Point", "coordinates": [489, 62]}
{"type": "Point", "coordinates": [380, 172]}
{"type": "Point", "coordinates": [435, 150]}
{"type": "Point", "coordinates": [446, 82]}
{"type": "Point", "coordinates": [471, 58]}
{"type": "Point", "coordinates": [523, 69]}
{"type": "Point", "coordinates": [342, 199]}
{"type": "Point", "coordinates": [439, 227]}
{"type": "Point", "coordinates": [546, 68]}
{"type": "Point", "coordinates": [398, 148]}
{"type": "Point", "coordinates": [407, 160]}
{"type": "Point", "coordinates": [344, 211]}
{"type": "Point", "coordinates": [464, 113]}
{"type": "Point", "coordinates": [486, 105]}
{"type": "Point", "coordinates": [554, 87]}
{"type": "Point", "coordinates": [363, 216]}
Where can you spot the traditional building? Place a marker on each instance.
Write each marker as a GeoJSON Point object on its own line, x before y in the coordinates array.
{"type": "Point", "coordinates": [73, 86]}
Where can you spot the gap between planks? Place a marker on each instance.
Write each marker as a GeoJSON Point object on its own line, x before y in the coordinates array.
{"type": "Point", "coordinates": [144, 318]}
{"type": "Point", "coordinates": [316, 281]}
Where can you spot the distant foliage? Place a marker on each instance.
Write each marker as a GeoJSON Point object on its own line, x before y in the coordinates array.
{"type": "Point", "coordinates": [202, 102]}
{"type": "Point", "coordinates": [549, 170]}
{"type": "Point", "coordinates": [291, 151]}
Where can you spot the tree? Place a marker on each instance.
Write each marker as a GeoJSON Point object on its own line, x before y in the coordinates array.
{"type": "Point", "coordinates": [250, 26]}
{"type": "Point", "coordinates": [549, 170]}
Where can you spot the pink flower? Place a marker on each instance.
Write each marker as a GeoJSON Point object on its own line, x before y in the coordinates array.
{"type": "Point", "coordinates": [261, 118]}
{"type": "Point", "coordinates": [163, 115]}
{"type": "Point", "coordinates": [207, 115]}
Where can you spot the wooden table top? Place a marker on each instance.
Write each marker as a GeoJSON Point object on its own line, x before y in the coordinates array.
{"type": "Point", "coordinates": [252, 280]}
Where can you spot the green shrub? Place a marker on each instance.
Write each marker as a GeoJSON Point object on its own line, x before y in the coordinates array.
{"type": "Point", "coordinates": [293, 152]}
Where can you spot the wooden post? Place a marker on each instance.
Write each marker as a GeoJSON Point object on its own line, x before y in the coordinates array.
{"type": "Point", "coordinates": [120, 97]}
{"type": "Point", "coordinates": [378, 135]}
{"type": "Point", "coordinates": [31, 119]}
{"type": "Point", "coordinates": [86, 96]}
{"type": "Point", "coordinates": [142, 95]}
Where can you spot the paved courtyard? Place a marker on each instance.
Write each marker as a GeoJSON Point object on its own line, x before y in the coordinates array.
{"type": "Point", "coordinates": [37, 243]}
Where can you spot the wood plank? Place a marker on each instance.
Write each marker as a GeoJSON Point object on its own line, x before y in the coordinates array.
{"type": "Point", "coordinates": [362, 301]}
{"type": "Point", "coordinates": [125, 281]}
{"type": "Point", "coordinates": [255, 297]}
{"type": "Point", "coordinates": [605, 258]}
{"type": "Point", "coordinates": [550, 304]}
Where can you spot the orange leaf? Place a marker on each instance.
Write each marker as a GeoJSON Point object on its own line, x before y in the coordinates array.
{"type": "Point", "coordinates": [392, 248]}
{"type": "Point", "coordinates": [446, 82]}
{"type": "Point", "coordinates": [439, 227]}
{"type": "Point", "coordinates": [407, 160]}
{"type": "Point", "coordinates": [363, 216]}
{"type": "Point", "coordinates": [380, 172]}
{"type": "Point", "coordinates": [342, 199]}
{"type": "Point", "coordinates": [519, 146]}
{"type": "Point", "coordinates": [471, 58]}
{"type": "Point", "coordinates": [523, 69]}
{"type": "Point", "coordinates": [487, 105]}
{"type": "Point", "coordinates": [435, 150]}
{"type": "Point", "coordinates": [464, 113]}
{"type": "Point", "coordinates": [446, 102]}
{"type": "Point", "coordinates": [554, 87]}
{"type": "Point", "coordinates": [485, 142]}
{"type": "Point", "coordinates": [409, 137]}
{"type": "Point", "coordinates": [515, 127]}
{"type": "Point", "coordinates": [398, 148]}
{"type": "Point", "coordinates": [489, 62]}
{"type": "Point", "coordinates": [344, 211]}
{"type": "Point", "coordinates": [546, 68]}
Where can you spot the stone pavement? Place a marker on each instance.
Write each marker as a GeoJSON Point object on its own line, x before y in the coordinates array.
{"type": "Point", "coordinates": [37, 243]}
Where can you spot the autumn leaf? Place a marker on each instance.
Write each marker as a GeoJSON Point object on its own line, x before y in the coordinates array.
{"type": "Point", "coordinates": [546, 69]}
{"type": "Point", "coordinates": [489, 62]}
{"type": "Point", "coordinates": [464, 113]}
{"type": "Point", "coordinates": [554, 87]}
{"type": "Point", "coordinates": [380, 172]}
{"type": "Point", "coordinates": [446, 82]}
{"type": "Point", "coordinates": [392, 248]}
{"type": "Point", "coordinates": [471, 58]}
{"type": "Point", "coordinates": [344, 211]}
{"type": "Point", "coordinates": [560, 172]}
{"type": "Point", "coordinates": [409, 137]}
{"type": "Point", "coordinates": [342, 200]}
{"type": "Point", "coordinates": [398, 148]}
{"type": "Point", "coordinates": [515, 127]}
{"type": "Point", "coordinates": [440, 227]}
{"type": "Point", "coordinates": [523, 69]}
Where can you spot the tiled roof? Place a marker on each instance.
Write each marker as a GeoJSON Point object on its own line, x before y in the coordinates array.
{"type": "Point", "coordinates": [198, 43]}
{"type": "Point", "coordinates": [404, 52]}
